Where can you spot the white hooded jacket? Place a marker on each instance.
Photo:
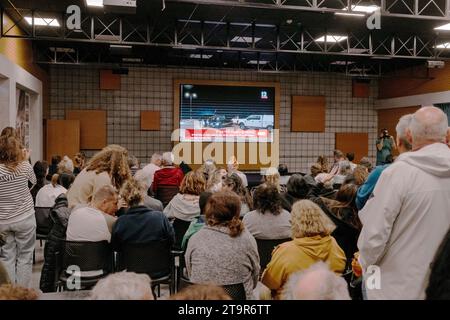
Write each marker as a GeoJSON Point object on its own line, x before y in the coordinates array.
{"type": "Point", "coordinates": [405, 222]}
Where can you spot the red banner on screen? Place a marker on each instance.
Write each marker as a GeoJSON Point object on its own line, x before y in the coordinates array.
{"type": "Point", "coordinates": [211, 134]}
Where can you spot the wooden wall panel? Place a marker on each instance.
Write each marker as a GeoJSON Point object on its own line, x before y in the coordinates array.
{"type": "Point", "coordinates": [414, 81]}
{"type": "Point", "coordinates": [92, 127]}
{"type": "Point", "coordinates": [109, 81]}
{"type": "Point", "coordinates": [62, 138]}
{"type": "Point", "coordinates": [388, 118]}
{"type": "Point", "coordinates": [150, 120]}
{"type": "Point", "coordinates": [358, 143]}
{"type": "Point", "coordinates": [308, 114]}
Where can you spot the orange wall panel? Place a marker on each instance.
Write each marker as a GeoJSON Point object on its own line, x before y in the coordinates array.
{"type": "Point", "coordinates": [109, 81]}
{"type": "Point", "coordinates": [308, 114]}
{"type": "Point", "coordinates": [358, 143]}
{"type": "Point", "coordinates": [92, 128]}
{"type": "Point", "coordinates": [150, 120]}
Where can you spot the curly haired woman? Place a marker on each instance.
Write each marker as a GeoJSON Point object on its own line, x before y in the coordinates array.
{"type": "Point", "coordinates": [107, 167]}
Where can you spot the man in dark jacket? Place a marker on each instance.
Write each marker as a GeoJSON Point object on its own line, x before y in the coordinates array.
{"type": "Point", "coordinates": [60, 217]}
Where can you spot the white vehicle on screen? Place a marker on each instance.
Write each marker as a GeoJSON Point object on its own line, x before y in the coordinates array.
{"type": "Point", "coordinates": [257, 121]}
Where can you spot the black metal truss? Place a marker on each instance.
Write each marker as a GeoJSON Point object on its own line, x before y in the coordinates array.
{"type": "Point", "coordinates": [416, 9]}
{"type": "Point", "coordinates": [222, 36]}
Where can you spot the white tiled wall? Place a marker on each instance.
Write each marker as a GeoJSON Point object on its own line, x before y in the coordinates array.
{"type": "Point", "coordinates": [151, 89]}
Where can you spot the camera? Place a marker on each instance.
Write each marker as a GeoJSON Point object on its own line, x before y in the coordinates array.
{"type": "Point", "coordinates": [385, 134]}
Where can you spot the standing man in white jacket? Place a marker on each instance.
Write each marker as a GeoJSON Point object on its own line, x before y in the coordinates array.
{"type": "Point", "coordinates": [409, 214]}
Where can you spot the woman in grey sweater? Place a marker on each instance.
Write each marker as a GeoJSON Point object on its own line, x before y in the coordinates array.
{"type": "Point", "coordinates": [223, 252]}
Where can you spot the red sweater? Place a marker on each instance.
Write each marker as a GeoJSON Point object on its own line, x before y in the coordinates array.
{"type": "Point", "coordinates": [169, 176]}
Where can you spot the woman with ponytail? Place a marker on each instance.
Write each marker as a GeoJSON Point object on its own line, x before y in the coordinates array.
{"type": "Point", "coordinates": [223, 252]}
{"type": "Point", "coordinates": [59, 184]}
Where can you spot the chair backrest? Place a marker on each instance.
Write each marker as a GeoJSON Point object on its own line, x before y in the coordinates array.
{"type": "Point", "coordinates": [180, 227]}
{"type": "Point", "coordinates": [43, 222]}
{"type": "Point", "coordinates": [152, 258]}
{"type": "Point", "coordinates": [165, 193]}
{"type": "Point", "coordinates": [235, 291]}
{"type": "Point", "coordinates": [88, 256]}
{"type": "Point", "coordinates": [265, 248]}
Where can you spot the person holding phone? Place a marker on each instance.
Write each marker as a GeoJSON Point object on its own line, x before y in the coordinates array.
{"type": "Point", "coordinates": [385, 144]}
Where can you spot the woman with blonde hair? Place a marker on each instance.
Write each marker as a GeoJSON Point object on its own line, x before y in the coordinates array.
{"type": "Point", "coordinates": [17, 221]}
{"type": "Point", "coordinates": [107, 167]}
{"type": "Point", "coordinates": [312, 242]}
{"type": "Point", "coordinates": [185, 205]}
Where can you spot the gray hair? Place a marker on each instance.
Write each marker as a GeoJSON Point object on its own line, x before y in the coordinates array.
{"type": "Point", "coordinates": [156, 157]}
{"type": "Point", "coordinates": [104, 193]}
{"type": "Point", "coordinates": [66, 165]}
{"type": "Point", "coordinates": [317, 282]}
{"type": "Point", "coordinates": [401, 129]}
{"type": "Point", "coordinates": [344, 167]}
{"type": "Point", "coordinates": [168, 158]}
{"type": "Point", "coordinates": [123, 286]}
{"type": "Point", "coordinates": [429, 124]}
{"type": "Point", "coordinates": [142, 178]}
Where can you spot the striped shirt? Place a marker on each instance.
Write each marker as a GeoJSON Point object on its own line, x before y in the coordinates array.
{"type": "Point", "coordinates": [16, 203]}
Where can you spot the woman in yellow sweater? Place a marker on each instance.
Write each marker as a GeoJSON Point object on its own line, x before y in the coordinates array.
{"type": "Point", "coordinates": [312, 242]}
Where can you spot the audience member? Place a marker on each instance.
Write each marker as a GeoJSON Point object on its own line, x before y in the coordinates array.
{"type": "Point", "coordinates": [215, 180]}
{"type": "Point", "coordinates": [297, 189]}
{"type": "Point", "coordinates": [198, 222]}
{"type": "Point", "coordinates": [94, 222]}
{"type": "Point", "coordinates": [385, 144]}
{"type": "Point", "coordinates": [365, 161]}
{"type": "Point", "coordinates": [344, 206]}
{"type": "Point", "coordinates": [409, 210]}
{"type": "Point", "coordinates": [168, 175]}
{"type": "Point", "coordinates": [317, 282]}
{"type": "Point", "coordinates": [48, 193]}
{"type": "Point", "coordinates": [59, 215]}
{"type": "Point", "coordinates": [350, 157]}
{"type": "Point", "coordinates": [144, 179]}
{"type": "Point", "coordinates": [360, 174]}
{"type": "Point", "coordinates": [13, 292]}
{"type": "Point", "coordinates": [9, 132]}
{"type": "Point", "coordinates": [271, 176]}
{"type": "Point", "coordinates": [140, 225]}
{"type": "Point", "coordinates": [439, 282]}
{"type": "Point", "coordinates": [234, 183]}
{"type": "Point", "coordinates": [4, 278]}
{"type": "Point", "coordinates": [79, 162]}
{"type": "Point", "coordinates": [312, 242]}
{"type": "Point", "coordinates": [233, 167]}
{"type": "Point", "coordinates": [133, 164]}
{"type": "Point", "coordinates": [123, 286]}
{"type": "Point", "coordinates": [66, 165]}
{"type": "Point", "coordinates": [154, 165]}
{"type": "Point", "coordinates": [338, 156]}
{"type": "Point", "coordinates": [108, 167]}
{"type": "Point", "coordinates": [40, 169]}
{"type": "Point", "coordinates": [207, 168]}
{"type": "Point", "coordinates": [343, 172]}
{"type": "Point", "coordinates": [269, 220]}
{"type": "Point", "coordinates": [201, 292]}
{"type": "Point", "coordinates": [284, 174]}
{"type": "Point", "coordinates": [223, 252]}
{"type": "Point", "coordinates": [323, 162]}
{"type": "Point", "coordinates": [53, 168]}
{"type": "Point", "coordinates": [184, 205]}
{"type": "Point", "coordinates": [17, 221]}
{"type": "Point", "coordinates": [403, 145]}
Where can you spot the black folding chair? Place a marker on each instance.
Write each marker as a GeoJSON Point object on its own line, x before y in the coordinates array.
{"type": "Point", "coordinates": [43, 225]}
{"type": "Point", "coordinates": [85, 256]}
{"type": "Point", "coordinates": [180, 227]}
{"type": "Point", "coordinates": [265, 248]}
{"type": "Point", "coordinates": [154, 259]}
{"type": "Point", "coordinates": [165, 193]}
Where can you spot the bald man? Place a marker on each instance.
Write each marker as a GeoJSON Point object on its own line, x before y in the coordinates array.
{"type": "Point", "coordinates": [408, 216]}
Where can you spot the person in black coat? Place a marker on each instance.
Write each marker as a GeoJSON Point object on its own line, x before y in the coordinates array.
{"type": "Point", "coordinates": [140, 225]}
{"type": "Point", "coordinates": [297, 189]}
{"type": "Point", "coordinates": [59, 216]}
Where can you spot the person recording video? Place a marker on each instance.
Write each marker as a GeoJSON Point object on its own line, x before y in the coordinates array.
{"type": "Point", "coordinates": [385, 144]}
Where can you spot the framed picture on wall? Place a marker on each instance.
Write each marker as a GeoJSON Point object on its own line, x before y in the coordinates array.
{"type": "Point", "coordinates": [23, 117]}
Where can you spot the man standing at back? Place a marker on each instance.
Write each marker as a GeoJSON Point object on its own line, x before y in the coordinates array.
{"type": "Point", "coordinates": [408, 216]}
